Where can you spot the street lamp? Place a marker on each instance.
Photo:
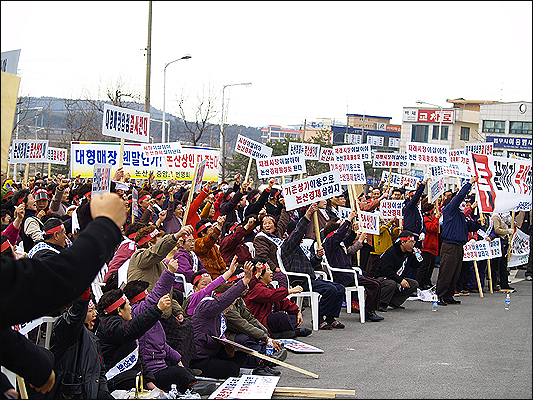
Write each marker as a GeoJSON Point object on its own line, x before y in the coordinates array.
{"type": "Point", "coordinates": [185, 57]}
{"type": "Point", "coordinates": [222, 144]}
{"type": "Point", "coordinates": [440, 117]}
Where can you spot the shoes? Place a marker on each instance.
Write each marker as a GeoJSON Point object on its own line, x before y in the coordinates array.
{"type": "Point", "coordinates": [280, 355]}
{"type": "Point", "coordinates": [452, 301]}
{"type": "Point", "coordinates": [194, 371]}
{"type": "Point", "coordinates": [337, 325]}
{"type": "Point", "coordinates": [464, 293]}
{"type": "Point", "coordinates": [507, 288]}
{"type": "Point", "coordinates": [284, 335]}
{"type": "Point", "coordinates": [456, 293]}
{"type": "Point", "coordinates": [382, 308]}
{"type": "Point", "coordinates": [398, 307]}
{"type": "Point", "coordinates": [373, 317]}
{"type": "Point", "coordinates": [528, 278]}
{"type": "Point", "coordinates": [442, 303]}
{"type": "Point", "coordinates": [302, 332]}
{"type": "Point", "coordinates": [204, 388]}
{"type": "Point", "coordinates": [324, 326]}
{"type": "Point", "coordinates": [473, 290]}
{"type": "Point", "coordinates": [266, 371]}
{"type": "Point", "coordinates": [496, 288]}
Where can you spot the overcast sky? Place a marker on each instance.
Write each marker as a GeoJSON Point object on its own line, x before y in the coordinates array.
{"type": "Point", "coordinates": [305, 60]}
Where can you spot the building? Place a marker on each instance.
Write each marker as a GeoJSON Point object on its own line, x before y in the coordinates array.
{"type": "Point", "coordinates": [275, 133]}
{"type": "Point", "coordinates": [508, 127]}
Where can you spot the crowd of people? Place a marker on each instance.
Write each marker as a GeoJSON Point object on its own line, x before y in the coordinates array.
{"type": "Point", "coordinates": [148, 322]}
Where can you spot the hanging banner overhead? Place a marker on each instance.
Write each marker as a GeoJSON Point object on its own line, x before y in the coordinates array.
{"type": "Point", "coordinates": [126, 124]}
{"type": "Point", "coordinates": [422, 153]}
{"type": "Point", "coordinates": [390, 160]}
{"type": "Point", "coordinates": [351, 173]}
{"type": "Point", "coordinates": [312, 189]}
{"type": "Point", "coordinates": [280, 166]}
{"type": "Point", "coordinates": [251, 148]}
{"type": "Point", "coordinates": [504, 184]}
{"type": "Point", "coordinates": [326, 155]}
{"type": "Point", "coordinates": [349, 153]}
{"type": "Point", "coordinates": [307, 150]}
{"type": "Point", "coordinates": [28, 151]}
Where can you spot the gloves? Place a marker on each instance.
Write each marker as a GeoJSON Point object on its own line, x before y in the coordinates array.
{"type": "Point", "coordinates": [422, 236]}
{"type": "Point", "coordinates": [427, 176]}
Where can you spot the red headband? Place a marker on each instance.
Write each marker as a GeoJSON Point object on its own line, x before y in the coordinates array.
{"type": "Point", "coordinates": [204, 226]}
{"type": "Point", "coordinates": [132, 235]}
{"type": "Point", "coordinates": [148, 237]}
{"type": "Point", "coordinates": [140, 296]}
{"type": "Point", "coordinates": [54, 230]}
{"type": "Point", "coordinates": [5, 245]}
{"type": "Point", "coordinates": [198, 277]}
{"type": "Point", "coordinates": [269, 217]}
{"type": "Point", "coordinates": [407, 238]}
{"type": "Point", "coordinates": [231, 195]}
{"type": "Point", "coordinates": [115, 305]}
{"type": "Point", "coordinates": [142, 198]}
{"type": "Point", "coordinates": [235, 277]}
{"type": "Point", "coordinates": [233, 227]}
{"type": "Point", "coordinates": [88, 194]}
{"type": "Point", "coordinates": [21, 200]}
{"type": "Point", "coordinates": [330, 234]}
{"type": "Point", "coordinates": [158, 196]}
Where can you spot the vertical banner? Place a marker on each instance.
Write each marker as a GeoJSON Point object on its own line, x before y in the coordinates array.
{"type": "Point", "coordinates": [495, 248]}
{"type": "Point", "coordinates": [101, 178]}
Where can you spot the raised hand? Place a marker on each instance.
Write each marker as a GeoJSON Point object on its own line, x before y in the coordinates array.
{"type": "Point", "coordinates": [164, 302]}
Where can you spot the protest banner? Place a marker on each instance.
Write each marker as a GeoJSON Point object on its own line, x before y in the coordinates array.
{"type": "Point", "coordinates": [453, 169]}
{"type": "Point", "coordinates": [326, 155]}
{"type": "Point", "coordinates": [191, 193]}
{"type": "Point", "coordinates": [369, 222]}
{"type": "Point", "coordinates": [312, 189]}
{"type": "Point", "coordinates": [353, 152]}
{"type": "Point", "coordinates": [251, 148]}
{"type": "Point", "coordinates": [495, 248]}
{"type": "Point", "coordinates": [307, 150]}
{"type": "Point", "coordinates": [101, 179]}
{"type": "Point", "coordinates": [26, 151]}
{"type": "Point", "coordinates": [246, 387]}
{"type": "Point", "coordinates": [436, 188]}
{"type": "Point", "coordinates": [224, 390]}
{"type": "Point", "coordinates": [390, 160]}
{"type": "Point", "coordinates": [124, 123]}
{"type": "Point", "coordinates": [180, 166]}
{"type": "Point", "coordinates": [519, 249]}
{"type": "Point", "coordinates": [421, 153]}
{"type": "Point", "coordinates": [280, 166]}
{"type": "Point", "coordinates": [389, 209]}
{"type": "Point", "coordinates": [344, 212]}
{"type": "Point", "coordinates": [398, 180]}
{"type": "Point", "coordinates": [479, 148]}
{"type": "Point", "coordinates": [57, 155]}
{"type": "Point", "coordinates": [475, 251]}
{"type": "Point", "coordinates": [456, 155]}
{"type": "Point", "coordinates": [351, 173]}
{"type": "Point", "coordinates": [504, 184]}
{"type": "Point", "coordinates": [161, 149]}
{"type": "Point", "coordinates": [299, 347]}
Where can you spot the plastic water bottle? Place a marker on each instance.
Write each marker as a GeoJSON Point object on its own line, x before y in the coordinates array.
{"type": "Point", "coordinates": [173, 394]}
{"type": "Point", "coordinates": [508, 301]}
{"type": "Point", "coordinates": [269, 349]}
{"type": "Point", "coordinates": [435, 303]}
{"type": "Point", "coordinates": [418, 255]}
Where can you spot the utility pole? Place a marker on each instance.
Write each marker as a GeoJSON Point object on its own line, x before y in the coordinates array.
{"type": "Point", "coordinates": [148, 59]}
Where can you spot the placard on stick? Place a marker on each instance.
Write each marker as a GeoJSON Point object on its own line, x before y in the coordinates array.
{"type": "Point", "coordinates": [101, 178]}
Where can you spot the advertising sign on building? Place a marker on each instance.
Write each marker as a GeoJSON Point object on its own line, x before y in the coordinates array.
{"type": "Point", "coordinates": [375, 140]}
{"type": "Point", "coordinates": [307, 150]}
{"type": "Point", "coordinates": [511, 142]}
{"type": "Point", "coordinates": [390, 160]}
{"type": "Point", "coordinates": [348, 153]}
{"type": "Point", "coordinates": [433, 116]}
{"type": "Point", "coordinates": [410, 114]}
{"type": "Point", "coordinates": [251, 148]}
{"type": "Point", "coordinates": [312, 189]}
{"type": "Point", "coordinates": [351, 173]}
{"type": "Point", "coordinates": [126, 124]}
{"type": "Point", "coordinates": [280, 166]}
{"type": "Point", "coordinates": [354, 139]}
{"type": "Point", "coordinates": [422, 153]}
{"type": "Point", "coordinates": [394, 142]}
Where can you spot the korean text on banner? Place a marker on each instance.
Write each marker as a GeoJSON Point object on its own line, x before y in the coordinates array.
{"type": "Point", "coordinates": [504, 184]}
{"type": "Point", "coordinates": [421, 153]}
{"type": "Point", "coordinates": [161, 149]}
{"type": "Point", "coordinates": [251, 148]}
{"type": "Point", "coordinates": [326, 155]}
{"type": "Point", "coordinates": [436, 188]}
{"type": "Point", "coordinates": [124, 123]}
{"type": "Point", "coordinates": [495, 248]}
{"type": "Point", "coordinates": [479, 148]}
{"type": "Point", "coordinates": [344, 213]}
{"type": "Point", "coordinates": [453, 169]}
{"type": "Point", "coordinates": [307, 150]}
{"type": "Point", "coordinates": [352, 152]}
{"type": "Point", "coordinates": [280, 166]}
{"type": "Point", "coordinates": [199, 176]}
{"type": "Point", "coordinates": [351, 173]}
{"type": "Point", "coordinates": [369, 222]}
{"type": "Point", "coordinates": [519, 249]}
{"type": "Point", "coordinates": [390, 160]}
{"type": "Point", "coordinates": [476, 251]}
{"type": "Point", "coordinates": [312, 189]}
{"type": "Point", "coordinates": [26, 151]}
{"type": "Point", "coordinates": [398, 180]}
{"type": "Point", "coordinates": [57, 155]}
{"type": "Point", "coordinates": [101, 178]}
{"type": "Point", "coordinates": [389, 209]}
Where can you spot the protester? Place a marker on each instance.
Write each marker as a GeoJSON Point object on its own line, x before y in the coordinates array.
{"type": "Point", "coordinates": [500, 274]}
{"type": "Point", "coordinates": [430, 245]}
{"type": "Point", "coordinates": [205, 246]}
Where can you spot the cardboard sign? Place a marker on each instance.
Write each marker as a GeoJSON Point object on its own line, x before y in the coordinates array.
{"type": "Point", "coordinates": [495, 248]}
{"type": "Point", "coordinates": [307, 150]}
{"type": "Point", "coordinates": [161, 149]}
{"type": "Point", "coordinates": [479, 148]}
{"type": "Point", "coordinates": [101, 178]}
{"type": "Point", "coordinates": [350, 153]}
{"type": "Point", "coordinates": [312, 189]}
{"type": "Point", "coordinates": [246, 387]}
{"type": "Point", "coordinates": [398, 180]}
{"type": "Point", "coordinates": [388, 209]}
{"type": "Point", "coordinates": [369, 222]}
{"type": "Point", "coordinates": [26, 151]}
{"type": "Point", "coordinates": [326, 155]}
{"type": "Point", "coordinates": [251, 148]}
{"type": "Point", "coordinates": [422, 153]}
{"type": "Point", "coordinates": [475, 251]}
{"type": "Point", "coordinates": [390, 160]}
{"type": "Point", "coordinates": [436, 188]}
{"type": "Point", "coordinates": [199, 176]}
{"type": "Point", "coordinates": [299, 347]}
{"type": "Point", "coordinates": [503, 184]}
{"type": "Point", "coordinates": [351, 173]}
{"type": "Point", "coordinates": [126, 124]}
{"type": "Point", "coordinates": [57, 155]}
{"type": "Point", "coordinates": [280, 166]}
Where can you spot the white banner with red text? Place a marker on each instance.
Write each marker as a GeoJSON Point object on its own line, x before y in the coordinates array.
{"type": "Point", "coordinates": [312, 189]}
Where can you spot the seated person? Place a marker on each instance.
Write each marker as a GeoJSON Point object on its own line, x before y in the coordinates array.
{"type": "Point", "coordinates": [188, 261]}
{"type": "Point", "coordinates": [233, 243]}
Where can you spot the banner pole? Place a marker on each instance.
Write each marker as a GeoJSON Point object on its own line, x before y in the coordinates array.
{"type": "Point", "coordinates": [121, 151]}
{"type": "Point", "coordinates": [191, 193]}
{"type": "Point", "coordinates": [317, 232]}
{"type": "Point", "coordinates": [489, 273]}
{"type": "Point", "coordinates": [49, 170]}
{"type": "Point", "coordinates": [512, 237]}
{"type": "Point", "coordinates": [478, 280]}
{"type": "Point", "coordinates": [248, 169]}
{"type": "Point", "coordinates": [390, 175]}
{"type": "Point", "coordinates": [27, 173]}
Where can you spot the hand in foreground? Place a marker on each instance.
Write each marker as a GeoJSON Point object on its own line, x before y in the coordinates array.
{"type": "Point", "coordinates": [164, 302]}
{"type": "Point", "coordinates": [312, 208]}
{"type": "Point", "coordinates": [109, 205]}
{"type": "Point", "coordinates": [48, 385]}
{"type": "Point", "coordinates": [173, 266]}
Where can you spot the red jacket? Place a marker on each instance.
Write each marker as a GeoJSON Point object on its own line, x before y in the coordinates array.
{"type": "Point", "coordinates": [124, 251]}
{"type": "Point", "coordinates": [431, 242]}
{"type": "Point", "coordinates": [262, 300]}
{"type": "Point", "coordinates": [193, 217]}
{"type": "Point", "coordinates": [233, 244]}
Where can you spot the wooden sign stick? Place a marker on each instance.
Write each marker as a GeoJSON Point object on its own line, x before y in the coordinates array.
{"type": "Point", "coordinates": [312, 392]}
{"type": "Point", "coordinates": [512, 237]}
{"type": "Point", "coordinates": [191, 194]}
{"type": "Point", "coordinates": [49, 170]}
{"type": "Point", "coordinates": [478, 280]}
{"type": "Point", "coordinates": [317, 231]}
{"type": "Point", "coordinates": [121, 153]}
{"type": "Point", "coordinates": [489, 273]}
{"type": "Point", "coordinates": [22, 387]}
{"type": "Point", "coordinates": [390, 175]}
{"type": "Point", "coordinates": [248, 169]}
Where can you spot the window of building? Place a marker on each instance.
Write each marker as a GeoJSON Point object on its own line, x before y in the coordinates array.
{"type": "Point", "coordinates": [465, 133]}
{"type": "Point", "coordinates": [419, 133]}
{"type": "Point", "coordinates": [494, 126]}
{"type": "Point", "coordinates": [435, 135]}
{"type": "Point", "coordinates": [520, 128]}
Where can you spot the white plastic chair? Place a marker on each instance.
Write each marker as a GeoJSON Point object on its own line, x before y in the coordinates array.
{"type": "Point", "coordinates": [307, 243]}
{"type": "Point", "coordinates": [98, 283]}
{"type": "Point", "coordinates": [187, 287]}
{"type": "Point", "coordinates": [313, 296]}
{"type": "Point", "coordinates": [349, 289]}
{"type": "Point", "coordinates": [251, 248]}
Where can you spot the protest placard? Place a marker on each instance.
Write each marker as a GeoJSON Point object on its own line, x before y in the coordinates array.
{"type": "Point", "coordinates": [453, 169]}
{"type": "Point", "coordinates": [134, 204]}
{"type": "Point", "coordinates": [436, 188]}
{"type": "Point", "coordinates": [503, 184]}
{"type": "Point", "coordinates": [251, 148]}
{"type": "Point", "coordinates": [352, 152]}
{"type": "Point", "coordinates": [389, 209]}
{"type": "Point", "coordinates": [26, 151]}
{"type": "Point", "coordinates": [495, 248]}
{"type": "Point", "coordinates": [124, 123]}
{"type": "Point", "coordinates": [101, 178]}
{"type": "Point", "coordinates": [519, 249]}
{"type": "Point", "coordinates": [161, 149]}
{"type": "Point", "coordinates": [299, 347]}
{"type": "Point", "coordinates": [199, 176]}
{"type": "Point", "coordinates": [390, 160]}
{"type": "Point", "coordinates": [57, 155]}
{"type": "Point", "coordinates": [479, 148]}
{"type": "Point", "coordinates": [456, 155]}
{"type": "Point", "coordinates": [351, 173]}
{"type": "Point", "coordinates": [224, 390]}
{"type": "Point", "coordinates": [280, 166]}
{"type": "Point", "coordinates": [422, 153]}
{"type": "Point", "coordinates": [311, 189]}
{"type": "Point", "coordinates": [475, 251]}
{"type": "Point", "coordinates": [307, 150]}
{"type": "Point", "coordinates": [369, 222]}
{"type": "Point", "coordinates": [326, 155]}
{"type": "Point", "coordinates": [246, 387]}
{"type": "Point", "coordinates": [344, 212]}
{"type": "Point", "coordinates": [398, 180]}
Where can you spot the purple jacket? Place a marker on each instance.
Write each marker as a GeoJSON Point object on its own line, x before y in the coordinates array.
{"type": "Point", "coordinates": [186, 266]}
{"type": "Point", "coordinates": [207, 319]}
{"type": "Point", "coordinates": [153, 344]}
{"type": "Point", "coordinates": [197, 297]}
{"type": "Point", "coordinates": [171, 223]}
